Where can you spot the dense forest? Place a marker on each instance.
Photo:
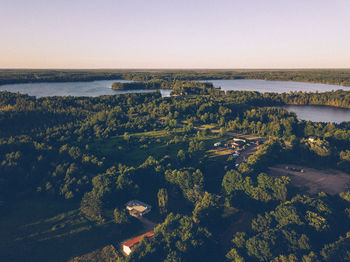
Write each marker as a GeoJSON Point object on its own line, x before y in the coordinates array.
{"type": "Point", "coordinates": [178, 87]}
{"type": "Point", "coordinates": [326, 76]}
{"type": "Point", "coordinates": [135, 85]}
{"type": "Point", "coordinates": [68, 165]}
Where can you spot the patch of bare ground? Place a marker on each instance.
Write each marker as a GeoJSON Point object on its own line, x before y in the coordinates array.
{"type": "Point", "coordinates": [314, 180]}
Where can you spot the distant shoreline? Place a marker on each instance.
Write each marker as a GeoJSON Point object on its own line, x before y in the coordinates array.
{"type": "Point", "coordinates": [340, 77]}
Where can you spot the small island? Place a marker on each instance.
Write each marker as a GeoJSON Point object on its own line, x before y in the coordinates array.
{"type": "Point", "coordinates": [135, 85]}
{"type": "Point", "coordinates": [184, 88]}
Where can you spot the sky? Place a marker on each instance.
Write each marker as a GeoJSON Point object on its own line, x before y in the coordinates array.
{"type": "Point", "coordinates": [225, 34]}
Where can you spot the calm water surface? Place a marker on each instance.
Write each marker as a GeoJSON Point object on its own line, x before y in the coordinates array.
{"type": "Point", "coordinates": [274, 86]}
{"type": "Point", "coordinates": [319, 113]}
{"type": "Point", "coordinates": [93, 88]}
{"type": "Point", "coordinates": [102, 87]}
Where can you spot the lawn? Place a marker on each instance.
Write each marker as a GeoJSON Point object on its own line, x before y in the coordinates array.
{"type": "Point", "coordinates": [116, 149]}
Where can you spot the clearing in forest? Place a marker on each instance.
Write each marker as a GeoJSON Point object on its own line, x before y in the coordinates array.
{"type": "Point", "coordinates": [314, 180]}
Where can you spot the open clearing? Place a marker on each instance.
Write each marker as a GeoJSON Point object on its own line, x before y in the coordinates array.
{"type": "Point", "coordinates": [314, 180]}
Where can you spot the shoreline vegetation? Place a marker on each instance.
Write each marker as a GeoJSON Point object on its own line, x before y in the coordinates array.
{"type": "Point", "coordinates": [324, 76]}
{"type": "Point", "coordinates": [337, 98]}
{"type": "Point", "coordinates": [135, 85]}
{"type": "Point", "coordinates": [179, 88]}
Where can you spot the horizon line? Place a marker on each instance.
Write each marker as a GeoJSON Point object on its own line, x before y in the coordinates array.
{"type": "Point", "coordinates": [167, 68]}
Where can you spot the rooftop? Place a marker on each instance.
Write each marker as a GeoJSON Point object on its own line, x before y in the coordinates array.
{"type": "Point", "coordinates": [137, 239]}
{"type": "Point", "coordinates": [139, 208]}
{"type": "Point", "coordinates": [136, 204]}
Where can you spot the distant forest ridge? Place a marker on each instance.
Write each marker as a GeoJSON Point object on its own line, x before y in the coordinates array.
{"type": "Point", "coordinates": [325, 76]}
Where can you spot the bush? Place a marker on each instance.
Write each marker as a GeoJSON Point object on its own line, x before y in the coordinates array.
{"type": "Point", "coordinates": [120, 216]}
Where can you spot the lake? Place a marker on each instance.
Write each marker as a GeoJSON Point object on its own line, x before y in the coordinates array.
{"type": "Point", "coordinates": [103, 87]}
{"type": "Point", "coordinates": [92, 88]}
{"type": "Point", "coordinates": [319, 113]}
{"type": "Point", "coordinates": [273, 86]}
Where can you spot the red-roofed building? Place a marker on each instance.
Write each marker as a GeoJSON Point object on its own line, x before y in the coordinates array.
{"type": "Point", "coordinates": [128, 245]}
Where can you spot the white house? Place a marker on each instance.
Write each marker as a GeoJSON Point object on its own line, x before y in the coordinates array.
{"type": "Point", "coordinates": [137, 208]}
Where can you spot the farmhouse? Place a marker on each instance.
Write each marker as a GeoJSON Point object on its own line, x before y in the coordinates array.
{"type": "Point", "coordinates": [128, 245]}
{"type": "Point", "coordinates": [137, 208]}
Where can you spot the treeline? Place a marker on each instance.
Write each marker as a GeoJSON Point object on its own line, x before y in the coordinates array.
{"type": "Point", "coordinates": [326, 76]}
{"type": "Point", "coordinates": [178, 87]}
{"type": "Point", "coordinates": [13, 76]}
{"type": "Point", "coordinates": [135, 85]}
{"type": "Point", "coordinates": [338, 98]}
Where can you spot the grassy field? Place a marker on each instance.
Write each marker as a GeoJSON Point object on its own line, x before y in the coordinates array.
{"type": "Point", "coordinates": [51, 230]}
{"type": "Point", "coordinates": [135, 152]}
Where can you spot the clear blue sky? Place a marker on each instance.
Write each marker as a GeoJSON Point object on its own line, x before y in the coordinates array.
{"type": "Point", "coordinates": [175, 34]}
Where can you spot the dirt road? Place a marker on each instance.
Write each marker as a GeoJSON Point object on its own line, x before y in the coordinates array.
{"type": "Point", "coordinates": [148, 225]}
